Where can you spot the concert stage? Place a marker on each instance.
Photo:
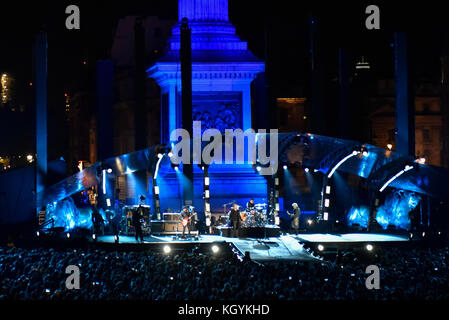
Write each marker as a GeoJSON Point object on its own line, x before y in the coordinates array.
{"type": "Point", "coordinates": [284, 247]}
{"type": "Point", "coordinates": [267, 249]}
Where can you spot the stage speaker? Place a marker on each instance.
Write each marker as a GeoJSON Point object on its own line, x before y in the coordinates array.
{"type": "Point", "coordinates": [172, 226]}
{"type": "Point", "coordinates": [157, 226]}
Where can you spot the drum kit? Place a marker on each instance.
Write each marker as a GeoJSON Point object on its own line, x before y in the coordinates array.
{"type": "Point", "coordinates": [256, 217]}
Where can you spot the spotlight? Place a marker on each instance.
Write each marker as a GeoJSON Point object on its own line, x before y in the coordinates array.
{"type": "Point", "coordinates": [285, 167]}
{"type": "Point", "coordinates": [109, 170]}
{"type": "Point", "coordinates": [423, 234]}
{"type": "Point", "coordinates": [94, 237]}
{"type": "Point", "coordinates": [215, 248]}
{"type": "Point", "coordinates": [258, 168]}
{"type": "Point", "coordinates": [170, 154]}
{"type": "Point", "coordinates": [176, 168]}
{"type": "Point", "coordinates": [159, 155]}
{"type": "Point", "coordinates": [389, 146]}
{"type": "Point", "coordinates": [68, 235]}
{"type": "Point", "coordinates": [365, 153]}
{"type": "Point", "coordinates": [167, 249]}
{"type": "Point", "coordinates": [38, 233]}
{"type": "Point", "coordinates": [320, 247]}
{"type": "Point", "coordinates": [369, 247]}
{"type": "Point", "coordinates": [309, 221]}
{"type": "Point", "coordinates": [306, 169]}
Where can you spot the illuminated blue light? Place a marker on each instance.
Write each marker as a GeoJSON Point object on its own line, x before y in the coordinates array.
{"type": "Point", "coordinates": [396, 208]}
{"type": "Point", "coordinates": [395, 211]}
{"type": "Point", "coordinates": [359, 215]}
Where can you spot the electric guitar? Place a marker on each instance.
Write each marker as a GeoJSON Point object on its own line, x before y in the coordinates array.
{"type": "Point", "coordinates": [186, 220]}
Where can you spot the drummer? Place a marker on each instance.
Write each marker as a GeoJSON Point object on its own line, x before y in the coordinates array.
{"type": "Point", "coordinates": [250, 206]}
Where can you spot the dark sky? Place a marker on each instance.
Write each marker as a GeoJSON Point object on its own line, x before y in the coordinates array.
{"type": "Point", "coordinates": [341, 23]}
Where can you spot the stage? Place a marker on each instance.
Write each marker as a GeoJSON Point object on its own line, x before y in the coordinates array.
{"type": "Point", "coordinates": [350, 237]}
{"type": "Point", "coordinates": [284, 247]}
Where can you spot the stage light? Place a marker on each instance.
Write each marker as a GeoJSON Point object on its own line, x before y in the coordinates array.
{"type": "Point", "coordinates": [258, 168]}
{"type": "Point", "coordinates": [109, 170]}
{"type": "Point", "coordinates": [328, 189]}
{"type": "Point", "coordinates": [68, 235]}
{"type": "Point", "coordinates": [94, 237]}
{"type": "Point", "coordinates": [277, 221]}
{"type": "Point", "coordinates": [389, 146]}
{"type": "Point", "coordinates": [365, 153]}
{"type": "Point", "coordinates": [320, 247]}
{"type": "Point", "coordinates": [167, 249]}
{"type": "Point", "coordinates": [325, 216]}
{"type": "Point", "coordinates": [353, 154]}
{"type": "Point", "coordinates": [397, 175]}
{"type": "Point", "coordinates": [423, 234]}
{"type": "Point", "coordinates": [108, 202]}
{"type": "Point", "coordinates": [285, 167]}
{"type": "Point", "coordinates": [206, 181]}
{"type": "Point", "coordinates": [38, 234]}
{"type": "Point", "coordinates": [202, 168]}
{"type": "Point", "coordinates": [170, 154]}
{"type": "Point", "coordinates": [309, 221]}
{"type": "Point", "coordinates": [176, 168]}
{"type": "Point", "coordinates": [116, 239]}
{"type": "Point", "coordinates": [369, 247]}
{"type": "Point", "coordinates": [326, 203]}
{"type": "Point", "coordinates": [159, 155]}
{"type": "Point", "coordinates": [103, 182]}
{"type": "Point", "coordinates": [215, 249]}
{"type": "Point", "coordinates": [306, 170]}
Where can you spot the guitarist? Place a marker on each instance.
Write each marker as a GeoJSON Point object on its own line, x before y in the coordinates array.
{"type": "Point", "coordinates": [295, 216]}
{"type": "Point", "coordinates": [186, 217]}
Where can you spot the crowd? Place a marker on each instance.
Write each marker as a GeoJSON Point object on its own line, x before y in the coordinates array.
{"type": "Point", "coordinates": [40, 274]}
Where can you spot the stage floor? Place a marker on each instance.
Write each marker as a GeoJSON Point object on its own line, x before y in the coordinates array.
{"type": "Point", "coordinates": [268, 249]}
{"type": "Point", "coordinates": [285, 247]}
{"type": "Point", "coordinates": [350, 237]}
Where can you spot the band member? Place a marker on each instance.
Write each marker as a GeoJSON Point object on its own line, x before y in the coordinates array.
{"type": "Point", "coordinates": [235, 219]}
{"type": "Point", "coordinates": [97, 221]}
{"type": "Point", "coordinates": [186, 217]}
{"type": "Point", "coordinates": [137, 223]}
{"type": "Point", "coordinates": [295, 217]}
{"type": "Point", "coordinates": [250, 205]}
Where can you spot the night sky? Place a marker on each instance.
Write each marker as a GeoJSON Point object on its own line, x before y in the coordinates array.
{"type": "Point", "coordinates": [342, 24]}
